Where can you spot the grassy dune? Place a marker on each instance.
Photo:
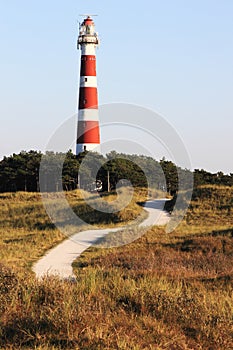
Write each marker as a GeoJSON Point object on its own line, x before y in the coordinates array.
{"type": "Point", "coordinates": [27, 231]}
{"type": "Point", "coordinates": [163, 291]}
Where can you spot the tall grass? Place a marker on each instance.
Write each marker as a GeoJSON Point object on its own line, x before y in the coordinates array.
{"type": "Point", "coordinates": [163, 291]}
{"type": "Point", "coordinates": [27, 231]}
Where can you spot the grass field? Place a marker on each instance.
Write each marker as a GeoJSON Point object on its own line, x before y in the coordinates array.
{"type": "Point", "coordinates": [163, 291]}
{"type": "Point", "coordinates": [27, 231]}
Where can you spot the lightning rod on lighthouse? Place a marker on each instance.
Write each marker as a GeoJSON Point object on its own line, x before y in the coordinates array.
{"type": "Point", "coordinates": [88, 134]}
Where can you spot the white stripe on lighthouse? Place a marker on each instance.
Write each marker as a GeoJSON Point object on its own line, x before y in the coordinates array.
{"type": "Point", "coordinates": [88, 81]}
{"type": "Point", "coordinates": [88, 49]}
{"type": "Point", "coordinates": [88, 114]}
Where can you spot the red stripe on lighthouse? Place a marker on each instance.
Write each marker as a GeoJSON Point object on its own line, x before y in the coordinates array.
{"type": "Point", "coordinates": [88, 98]}
{"type": "Point", "coordinates": [88, 132]}
{"type": "Point", "coordinates": [88, 65]}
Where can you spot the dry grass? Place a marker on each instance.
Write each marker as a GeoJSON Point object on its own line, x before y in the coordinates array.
{"type": "Point", "coordinates": [27, 231]}
{"type": "Point", "coordinates": [163, 291]}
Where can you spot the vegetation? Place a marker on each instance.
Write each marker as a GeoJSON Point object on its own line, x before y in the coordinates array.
{"type": "Point", "coordinates": [163, 291]}
{"type": "Point", "coordinates": [20, 172]}
{"type": "Point", "coordinates": [26, 229]}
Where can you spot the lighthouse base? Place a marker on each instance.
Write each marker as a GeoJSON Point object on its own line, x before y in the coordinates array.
{"type": "Point", "coordinates": [82, 147]}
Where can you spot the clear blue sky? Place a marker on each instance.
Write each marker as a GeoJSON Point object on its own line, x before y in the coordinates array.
{"type": "Point", "coordinates": [175, 57]}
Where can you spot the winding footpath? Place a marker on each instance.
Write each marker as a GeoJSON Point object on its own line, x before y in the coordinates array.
{"type": "Point", "coordinates": [58, 261]}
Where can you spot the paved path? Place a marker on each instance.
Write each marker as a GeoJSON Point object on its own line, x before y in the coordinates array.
{"type": "Point", "coordinates": [58, 261]}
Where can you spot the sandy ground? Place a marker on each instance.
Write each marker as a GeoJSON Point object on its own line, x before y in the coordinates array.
{"type": "Point", "coordinates": [58, 261]}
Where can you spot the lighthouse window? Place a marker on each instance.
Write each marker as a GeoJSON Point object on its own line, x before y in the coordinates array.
{"type": "Point", "coordinates": [85, 79]}
{"type": "Point", "coordinates": [84, 101]}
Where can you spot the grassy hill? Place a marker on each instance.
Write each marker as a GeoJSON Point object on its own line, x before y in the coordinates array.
{"type": "Point", "coordinates": [27, 231]}
{"type": "Point", "coordinates": [163, 291]}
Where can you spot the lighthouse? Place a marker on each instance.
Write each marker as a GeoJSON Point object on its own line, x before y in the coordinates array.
{"type": "Point", "coordinates": [88, 134]}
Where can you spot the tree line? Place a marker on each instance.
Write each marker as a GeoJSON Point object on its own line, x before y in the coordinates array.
{"type": "Point", "coordinates": [23, 172]}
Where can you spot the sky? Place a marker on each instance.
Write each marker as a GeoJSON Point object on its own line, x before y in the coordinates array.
{"type": "Point", "coordinates": [174, 57]}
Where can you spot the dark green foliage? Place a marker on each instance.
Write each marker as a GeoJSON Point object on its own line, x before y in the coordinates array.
{"type": "Point", "coordinates": [202, 177]}
{"type": "Point", "coordinates": [20, 172]}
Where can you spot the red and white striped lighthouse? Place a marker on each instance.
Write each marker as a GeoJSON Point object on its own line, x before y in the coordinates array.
{"type": "Point", "coordinates": [88, 135]}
